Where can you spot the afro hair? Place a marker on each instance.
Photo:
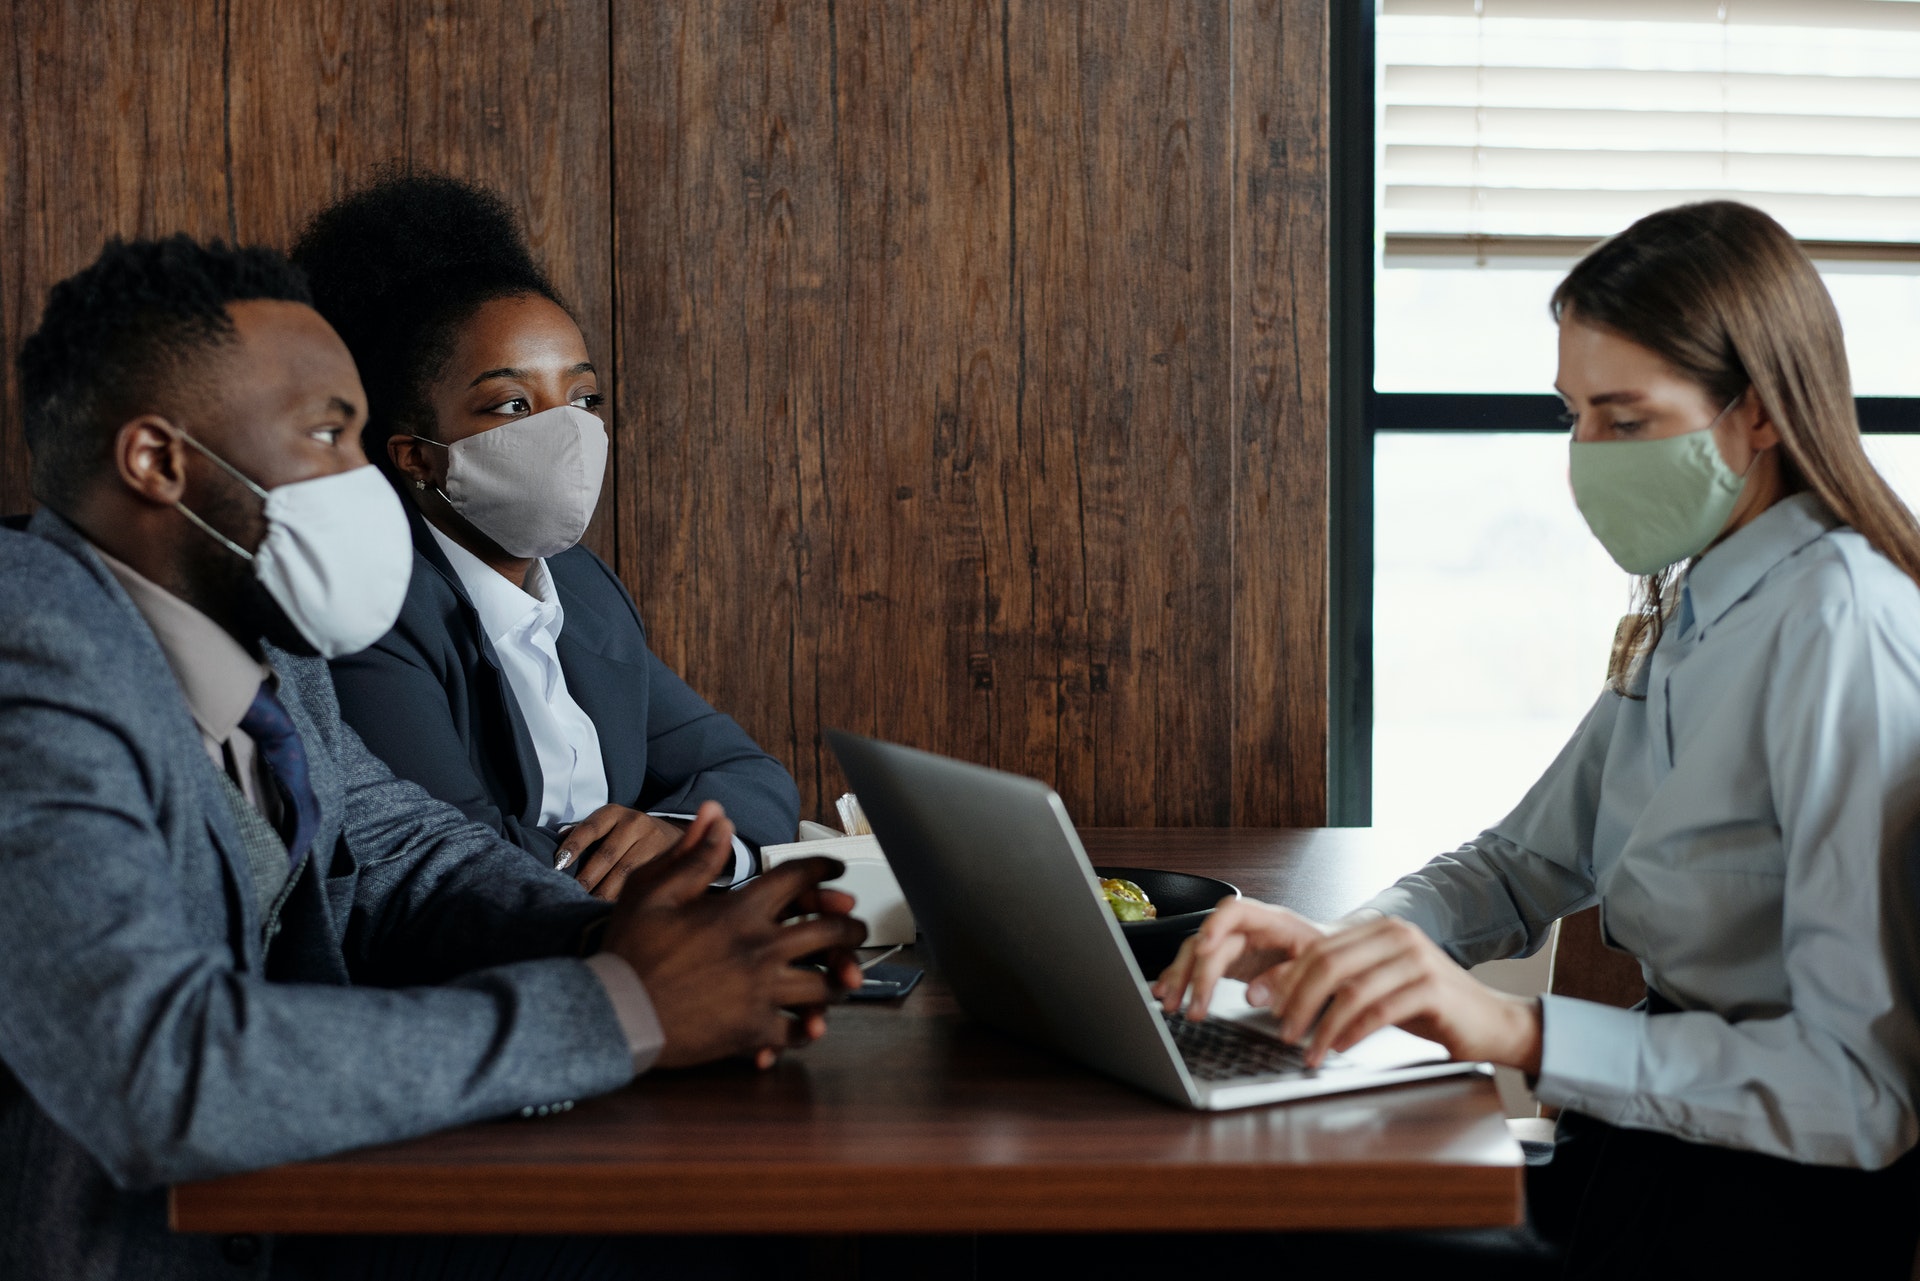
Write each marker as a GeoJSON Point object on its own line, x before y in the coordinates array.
{"type": "Point", "coordinates": [396, 268]}
{"type": "Point", "coordinates": [122, 337]}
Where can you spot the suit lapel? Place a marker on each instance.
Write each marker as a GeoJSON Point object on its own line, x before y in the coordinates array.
{"type": "Point", "coordinates": [523, 763]}
{"type": "Point", "coordinates": [221, 832]}
{"type": "Point", "coordinates": [606, 669]}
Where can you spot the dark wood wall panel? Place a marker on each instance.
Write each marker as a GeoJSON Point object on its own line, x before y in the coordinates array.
{"type": "Point", "coordinates": [969, 356]}
{"type": "Point", "coordinates": [940, 421]}
{"type": "Point", "coordinates": [1280, 412]}
{"type": "Point", "coordinates": [239, 120]}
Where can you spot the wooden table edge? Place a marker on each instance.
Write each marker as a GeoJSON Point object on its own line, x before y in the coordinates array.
{"type": "Point", "coordinates": [773, 1198]}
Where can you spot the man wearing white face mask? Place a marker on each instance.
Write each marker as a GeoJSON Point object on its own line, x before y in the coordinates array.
{"type": "Point", "coordinates": [232, 937]}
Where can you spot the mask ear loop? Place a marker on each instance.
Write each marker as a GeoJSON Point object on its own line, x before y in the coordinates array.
{"type": "Point", "coordinates": [421, 484]}
{"type": "Point", "coordinates": [232, 471]}
{"type": "Point", "coordinates": [1727, 409]}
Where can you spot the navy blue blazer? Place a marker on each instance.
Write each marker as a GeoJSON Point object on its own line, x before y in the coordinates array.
{"type": "Point", "coordinates": [431, 700]}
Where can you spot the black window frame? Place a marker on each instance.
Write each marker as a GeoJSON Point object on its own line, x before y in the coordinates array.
{"type": "Point", "coordinates": [1357, 412]}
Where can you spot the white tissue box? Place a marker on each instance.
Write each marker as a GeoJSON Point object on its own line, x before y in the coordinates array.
{"type": "Point", "coordinates": [877, 899]}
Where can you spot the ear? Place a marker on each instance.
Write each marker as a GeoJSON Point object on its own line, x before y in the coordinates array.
{"type": "Point", "coordinates": [417, 462]}
{"type": "Point", "coordinates": [1760, 431]}
{"type": "Point", "coordinates": [151, 460]}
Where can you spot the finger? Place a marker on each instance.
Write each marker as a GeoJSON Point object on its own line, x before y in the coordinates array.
{"type": "Point", "coordinates": [816, 934]}
{"type": "Point", "coordinates": [613, 850]}
{"type": "Point", "coordinates": [683, 874]}
{"type": "Point", "coordinates": [774, 891]}
{"type": "Point", "coordinates": [820, 899]}
{"type": "Point", "coordinates": [584, 833]}
{"type": "Point", "coordinates": [1303, 989]}
{"type": "Point", "coordinates": [1402, 1006]}
{"type": "Point", "coordinates": [1361, 994]}
{"type": "Point", "coordinates": [795, 986]}
{"type": "Point", "coordinates": [1208, 971]}
{"type": "Point", "coordinates": [610, 885]}
{"type": "Point", "coordinates": [1171, 986]}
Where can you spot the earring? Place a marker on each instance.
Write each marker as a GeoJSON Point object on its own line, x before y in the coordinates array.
{"type": "Point", "coordinates": [420, 484]}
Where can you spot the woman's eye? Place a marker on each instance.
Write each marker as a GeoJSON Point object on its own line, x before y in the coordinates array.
{"type": "Point", "coordinates": [517, 405]}
{"type": "Point", "coordinates": [327, 435]}
{"type": "Point", "coordinates": [1630, 428]}
{"type": "Point", "coordinates": [1568, 418]}
{"type": "Point", "coordinates": [592, 400]}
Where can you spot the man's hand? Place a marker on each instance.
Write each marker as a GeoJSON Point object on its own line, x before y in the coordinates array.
{"type": "Point", "coordinates": [615, 840]}
{"type": "Point", "coordinates": [718, 967]}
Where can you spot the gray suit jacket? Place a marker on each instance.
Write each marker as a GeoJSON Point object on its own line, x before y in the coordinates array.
{"type": "Point", "coordinates": [423, 976]}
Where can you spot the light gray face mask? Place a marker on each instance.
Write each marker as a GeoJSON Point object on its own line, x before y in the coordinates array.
{"type": "Point", "coordinates": [531, 484]}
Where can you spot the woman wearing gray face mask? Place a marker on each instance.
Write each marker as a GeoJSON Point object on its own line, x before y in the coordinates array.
{"type": "Point", "coordinates": [518, 684]}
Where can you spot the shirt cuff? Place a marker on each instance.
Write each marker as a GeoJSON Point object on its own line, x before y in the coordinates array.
{"type": "Point", "coordinates": [743, 862]}
{"type": "Point", "coordinates": [632, 1006]}
{"type": "Point", "coordinates": [1589, 1055]}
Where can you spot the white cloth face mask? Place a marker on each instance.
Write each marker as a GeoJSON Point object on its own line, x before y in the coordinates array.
{"type": "Point", "coordinates": [530, 484]}
{"type": "Point", "coordinates": [337, 556]}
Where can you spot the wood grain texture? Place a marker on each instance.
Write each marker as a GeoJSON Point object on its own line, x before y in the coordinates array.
{"type": "Point", "coordinates": [242, 120]}
{"type": "Point", "coordinates": [928, 363]}
{"type": "Point", "coordinates": [911, 1118]}
{"type": "Point", "coordinates": [969, 356]}
{"type": "Point", "coordinates": [114, 123]}
{"type": "Point", "coordinates": [1280, 412]}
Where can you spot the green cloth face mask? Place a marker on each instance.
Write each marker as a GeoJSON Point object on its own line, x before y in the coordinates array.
{"type": "Point", "coordinates": [1652, 503]}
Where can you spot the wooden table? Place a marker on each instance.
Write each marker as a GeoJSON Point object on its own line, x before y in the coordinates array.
{"type": "Point", "coordinates": [908, 1117]}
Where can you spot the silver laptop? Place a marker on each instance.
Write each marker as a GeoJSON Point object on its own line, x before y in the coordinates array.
{"type": "Point", "coordinates": [1003, 894]}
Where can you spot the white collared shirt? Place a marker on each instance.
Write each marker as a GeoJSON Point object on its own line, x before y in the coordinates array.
{"type": "Point", "coordinates": [524, 626]}
{"type": "Point", "coordinates": [1747, 823]}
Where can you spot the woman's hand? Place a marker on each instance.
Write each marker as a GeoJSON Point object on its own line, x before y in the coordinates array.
{"type": "Point", "coordinates": [1241, 939]}
{"type": "Point", "coordinates": [1385, 971]}
{"type": "Point", "coordinates": [615, 841]}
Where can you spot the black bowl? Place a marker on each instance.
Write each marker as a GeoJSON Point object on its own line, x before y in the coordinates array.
{"type": "Point", "coordinates": [1183, 901]}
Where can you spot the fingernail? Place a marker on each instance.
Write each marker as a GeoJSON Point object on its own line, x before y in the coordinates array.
{"type": "Point", "coordinates": [1257, 994]}
{"type": "Point", "coordinates": [565, 861]}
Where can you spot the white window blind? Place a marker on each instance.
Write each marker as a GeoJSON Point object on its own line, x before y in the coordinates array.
{"type": "Point", "coordinates": [1509, 121]}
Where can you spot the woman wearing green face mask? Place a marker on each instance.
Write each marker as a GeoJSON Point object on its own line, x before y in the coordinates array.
{"type": "Point", "coordinates": [1742, 802]}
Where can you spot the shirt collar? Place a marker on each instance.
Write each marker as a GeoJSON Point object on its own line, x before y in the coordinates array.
{"type": "Point", "coordinates": [504, 608]}
{"type": "Point", "coordinates": [216, 673]}
{"type": "Point", "coordinates": [1720, 579]}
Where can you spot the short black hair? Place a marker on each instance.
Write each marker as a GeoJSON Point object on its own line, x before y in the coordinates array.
{"type": "Point", "coordinates": [396, 268]}
{"type": "Point", "coordinates": [120, 337]}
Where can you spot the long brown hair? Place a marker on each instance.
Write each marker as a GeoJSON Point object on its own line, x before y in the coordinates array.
{"type": "Point", "coordinates": [1722, 293]}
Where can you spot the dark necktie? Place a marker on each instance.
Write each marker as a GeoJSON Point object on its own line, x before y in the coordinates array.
{"type": "Point", "coordinates": [278, 743]}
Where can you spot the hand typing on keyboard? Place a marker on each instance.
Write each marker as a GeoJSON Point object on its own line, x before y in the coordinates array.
{"type": "Point", "coordinates": [1332, 986]}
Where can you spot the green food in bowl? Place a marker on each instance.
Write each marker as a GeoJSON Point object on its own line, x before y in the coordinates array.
{"type": "Point", "coordinates": [1128, 901]}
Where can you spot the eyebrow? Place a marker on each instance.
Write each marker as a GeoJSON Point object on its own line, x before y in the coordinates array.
{"type": "Point", "coordinates": [342, 405]}
{"type": "Point", "coordinates": [1608, 397]}
{"type": "Point", "coordinates": [584, 367]}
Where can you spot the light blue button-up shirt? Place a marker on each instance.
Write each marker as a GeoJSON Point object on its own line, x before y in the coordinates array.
{"type": "Point", "coordinates": [1748, 828]}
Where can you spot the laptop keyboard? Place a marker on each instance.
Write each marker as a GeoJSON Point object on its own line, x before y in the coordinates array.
{"type": "Point", "coordinates": [1217, 1051]}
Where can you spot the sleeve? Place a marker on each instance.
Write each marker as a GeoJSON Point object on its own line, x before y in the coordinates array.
{"type": "Point", "coordinates": [391, 696]}
{"type": "Point", "coordinates": [1827, 1081]}
{"type": "Point", "coordinates": [436, 895]}
{"type": "Point", "coordinates": [696, 754]}
{"type": "Point", "coordinates": [1498, 895]}
{"type": "Point", "coordinates": [194, 1068]}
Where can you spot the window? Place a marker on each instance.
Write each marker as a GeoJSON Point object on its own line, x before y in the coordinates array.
{"type": "Point", "coordinates": [1502, 138]}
